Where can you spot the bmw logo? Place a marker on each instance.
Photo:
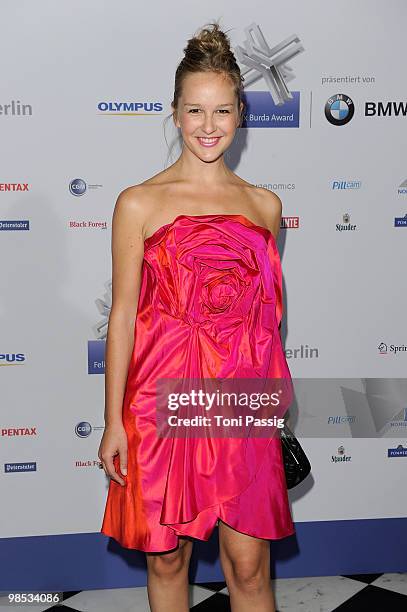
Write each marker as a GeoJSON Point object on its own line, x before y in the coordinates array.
{"type": "Point", "coordinates": [77, 187]}
{"type": "Point", "coordinates": [339, 109]}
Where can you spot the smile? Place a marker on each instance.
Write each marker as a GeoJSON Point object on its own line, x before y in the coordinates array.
{"type": "Point", "coordinates": [208, 142]}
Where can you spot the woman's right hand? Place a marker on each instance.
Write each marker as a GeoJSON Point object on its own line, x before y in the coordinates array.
{"type": "Point", "coordinates": [114, 442]}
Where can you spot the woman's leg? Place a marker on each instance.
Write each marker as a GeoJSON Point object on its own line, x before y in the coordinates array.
{"type": "Point", "coordinates": [167, 578]}
{"type": "Point", "coordinates": [245, 563]}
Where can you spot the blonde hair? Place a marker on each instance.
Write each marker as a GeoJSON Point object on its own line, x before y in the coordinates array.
{"type": "Point", "coordinates": [209, 51]}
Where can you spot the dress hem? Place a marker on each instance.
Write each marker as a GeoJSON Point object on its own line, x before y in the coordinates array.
{"type": "Point", "coordinates": [286, 535]}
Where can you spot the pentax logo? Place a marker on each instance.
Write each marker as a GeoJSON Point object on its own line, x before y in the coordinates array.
{"type": "Point", "coordinates": [13, 186]}
{"type": "Point", "coordinates": [12, 432]}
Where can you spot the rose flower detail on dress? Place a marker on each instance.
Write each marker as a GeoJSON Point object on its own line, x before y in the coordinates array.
{"type": "Point", "coordinates": [214, 277]}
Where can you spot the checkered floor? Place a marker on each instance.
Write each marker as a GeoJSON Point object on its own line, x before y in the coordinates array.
{"type": "Point", "coordinates": [371, 592]}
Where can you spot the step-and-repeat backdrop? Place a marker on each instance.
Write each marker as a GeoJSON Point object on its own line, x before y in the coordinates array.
{"type": "Point", "coordinates": [84, 112]}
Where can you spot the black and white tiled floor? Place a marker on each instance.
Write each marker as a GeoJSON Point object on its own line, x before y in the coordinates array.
{"type": "Point", "coordinates": [357, 593]}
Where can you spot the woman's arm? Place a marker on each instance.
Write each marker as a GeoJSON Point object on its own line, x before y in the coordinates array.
{"type": "Point", "coordinates": [127, 259]}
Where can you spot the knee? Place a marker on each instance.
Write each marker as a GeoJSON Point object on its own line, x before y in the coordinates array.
{"type": "Point", "coordinates": [249, 578]}
{"type": "Point", "coordinates": [167, 565]}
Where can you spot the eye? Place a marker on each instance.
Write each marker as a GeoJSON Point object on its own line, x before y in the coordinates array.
{"type": "Point", "coordinates": [224, 110]}
{"type": "Point", "coordinates": [191, 110]}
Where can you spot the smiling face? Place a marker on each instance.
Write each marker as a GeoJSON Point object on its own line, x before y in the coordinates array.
{"type": "Point", "coordinates": [207, 114]}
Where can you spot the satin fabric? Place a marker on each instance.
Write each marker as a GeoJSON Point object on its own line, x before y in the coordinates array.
{"type": "Point", "coordinates": [210, 306]}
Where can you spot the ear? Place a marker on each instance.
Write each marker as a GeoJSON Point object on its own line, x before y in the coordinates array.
{"type": "Point", "coordinates": [174, 117]}
{"type": "Point", "coordinates": [241, 108]}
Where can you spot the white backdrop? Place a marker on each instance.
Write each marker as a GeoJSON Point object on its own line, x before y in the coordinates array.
{"type": "Point", "coordinates": [344, 291]}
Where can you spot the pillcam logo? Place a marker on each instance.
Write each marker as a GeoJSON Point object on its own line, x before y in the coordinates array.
{"type": "Point", "coordinates": [339, 109]}
{"type": "Point", "coordinates": [342, 185]}
{"type": "Point", "coordinates": [340, 419]}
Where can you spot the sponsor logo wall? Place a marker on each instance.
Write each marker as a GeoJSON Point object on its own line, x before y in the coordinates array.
{"type": "Point", "coordinates": [327, 136]}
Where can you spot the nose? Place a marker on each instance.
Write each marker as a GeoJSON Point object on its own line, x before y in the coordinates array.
{"type": "Point", "coordinates": [209, 124]}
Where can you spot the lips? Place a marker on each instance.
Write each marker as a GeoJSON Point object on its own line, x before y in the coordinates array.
{"type": "Point", "coordinates": [208, 142]}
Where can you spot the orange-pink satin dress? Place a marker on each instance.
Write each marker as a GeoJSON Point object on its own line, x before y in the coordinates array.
{"type": "Point", "coordinates": [210, 305]}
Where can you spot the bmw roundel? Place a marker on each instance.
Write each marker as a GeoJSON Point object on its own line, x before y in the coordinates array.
{"type": "Point", "coordinates": [339, 109]}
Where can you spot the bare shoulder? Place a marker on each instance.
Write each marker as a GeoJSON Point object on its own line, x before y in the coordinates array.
{"type": "Point", "coordinates": [134, 206]}
{"type": "Point", "coordinates": [270, 208]}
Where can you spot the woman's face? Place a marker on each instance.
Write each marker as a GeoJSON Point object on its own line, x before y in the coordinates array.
{"type": "Point", "coordinates": [208, 114]}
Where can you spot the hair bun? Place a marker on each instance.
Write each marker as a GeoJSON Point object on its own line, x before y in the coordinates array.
{"type": "Point", "coordinates": [209, 50]}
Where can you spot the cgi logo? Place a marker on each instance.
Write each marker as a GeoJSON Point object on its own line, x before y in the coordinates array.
{"type": "Point", "coordinates": [83, 429]}
{"type": "Point", "coordinates": [339, 109]}
{"type": "Point", "coordinates": [77, 187]}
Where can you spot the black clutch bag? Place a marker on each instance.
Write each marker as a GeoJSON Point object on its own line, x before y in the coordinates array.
{"type": "Point", "coordinates": [296, 464]}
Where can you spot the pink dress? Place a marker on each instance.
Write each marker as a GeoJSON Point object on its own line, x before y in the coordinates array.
{"type": "Point", "coordinates": [210, 306]}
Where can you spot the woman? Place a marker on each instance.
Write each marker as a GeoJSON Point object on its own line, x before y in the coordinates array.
{"type": "Point", "coordinates": [196, 293]}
